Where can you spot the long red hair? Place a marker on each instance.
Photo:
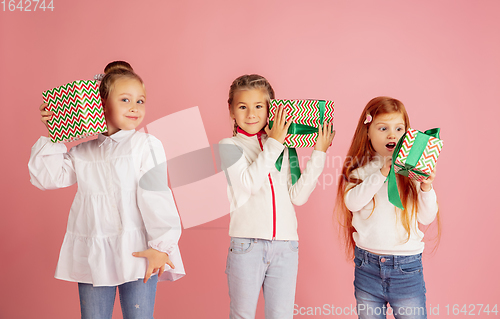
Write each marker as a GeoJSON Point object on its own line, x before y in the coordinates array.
{"type": "Point", "coordinates": [361, 153]}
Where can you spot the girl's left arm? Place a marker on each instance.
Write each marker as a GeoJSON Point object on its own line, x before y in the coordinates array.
{"type": "Point", "coordinates": [427, 201]}
{"type": "Point", "coordinates": [158, 209]}
{"type": "Point", "coordinates": [305, 185]}
{"type": "Point", "coordinates": [300, 191]}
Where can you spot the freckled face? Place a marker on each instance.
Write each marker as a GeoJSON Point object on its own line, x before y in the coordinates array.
{"type": "Point", "coordinates": [125, 106]}
{"type": "Point", "coordinates": [249, 109]}
{"type": "Point", "coordinates": [385, 131]}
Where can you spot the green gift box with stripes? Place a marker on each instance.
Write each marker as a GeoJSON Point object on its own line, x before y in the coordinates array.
{"type": "Point", "coordinates": [78, 111]}
{"type": "Point", "coordinates": [418, 154]}
{"type": "Point", "coordinates": [308, 115]}
{"type": "Point", "coordinates": [415, 156]}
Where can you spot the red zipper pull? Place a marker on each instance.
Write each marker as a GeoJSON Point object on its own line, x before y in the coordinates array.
{"type": "Point", "coordinates": [272, 193]}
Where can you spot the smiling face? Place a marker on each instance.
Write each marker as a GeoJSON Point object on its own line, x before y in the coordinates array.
{"type": "Point", "coordinates": [249, 109]}
{"type": "Point", "coordinates": [125, 106]}
{"type": "Point", "coordinates": [385, 131]}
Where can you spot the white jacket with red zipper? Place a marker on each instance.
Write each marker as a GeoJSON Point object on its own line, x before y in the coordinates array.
{"type": "Point", "coordinates": [262, 197]}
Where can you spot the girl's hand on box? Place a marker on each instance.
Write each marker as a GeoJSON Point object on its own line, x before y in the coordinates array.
{"type": "Point", "coordinates": [156, 261]}
{"type": "Point", "coordinates": [280, 126]}
{"type": "Point", "coordinates": [426, 184]}
{"type": "Point", "coordinates": [46, 115]}
{"type": "Point", "coordinates": [325, 137]}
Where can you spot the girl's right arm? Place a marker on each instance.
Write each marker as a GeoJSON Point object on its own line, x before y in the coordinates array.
{"type": "Point", "coordinates": [239, 171]}
{"type": "Point", "coordinates": [360, 195]}
{"type": "Point", "coordinates": [50, 165]}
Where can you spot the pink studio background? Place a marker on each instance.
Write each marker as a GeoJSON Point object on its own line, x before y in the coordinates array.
{"type": "Point", "coordinates": [441, 58]}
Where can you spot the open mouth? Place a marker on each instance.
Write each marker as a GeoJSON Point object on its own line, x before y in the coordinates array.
{"type": "Point", "coordinates": [390, 146]}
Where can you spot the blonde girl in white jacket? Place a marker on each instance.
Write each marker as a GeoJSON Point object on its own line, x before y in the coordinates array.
{"type": "Point", "coordinates": [263, 252]}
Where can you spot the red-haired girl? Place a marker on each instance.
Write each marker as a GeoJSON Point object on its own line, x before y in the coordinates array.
{"type": "Point", "coordinates": [386, 242]}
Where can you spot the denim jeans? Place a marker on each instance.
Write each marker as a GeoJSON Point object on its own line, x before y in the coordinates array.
{"type": "Point", "coordinates": [253, 264]}
{"type": "Point", "coordinates": [137, 299]}
{"type": "Point", "coordinates": [397, 280]}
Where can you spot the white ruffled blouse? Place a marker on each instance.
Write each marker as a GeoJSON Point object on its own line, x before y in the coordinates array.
{"type": "Point", "coordinates": [122, 205]}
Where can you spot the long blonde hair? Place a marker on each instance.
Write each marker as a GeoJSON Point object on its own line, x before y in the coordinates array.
{"type": "Point", "coordinates": [361, 153]}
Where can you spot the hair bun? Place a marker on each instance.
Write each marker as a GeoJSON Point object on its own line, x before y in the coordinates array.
{"type": "Point", "coordinates": [117, 66]}
{"type": "Point", "coordinates": [114, 71]}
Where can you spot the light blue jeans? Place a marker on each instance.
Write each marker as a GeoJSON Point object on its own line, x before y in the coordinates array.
{"type": "Point", "coordinates": [253, 264]}
{"type": "Point", "coordinates": [397, 280]}
{"type": "Point", "coordinates": [137, 299]}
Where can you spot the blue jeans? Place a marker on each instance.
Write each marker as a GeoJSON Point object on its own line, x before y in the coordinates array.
{"type": "Point", "coordinates": [253, 264]}
{"type": "Point", "coordinates": [397, 280]}
{"type": "Point", "coordinates": [136, 298]}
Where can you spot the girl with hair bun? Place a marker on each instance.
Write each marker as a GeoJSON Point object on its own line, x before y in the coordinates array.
{"type": "Point", "coordinates": [123, 226]}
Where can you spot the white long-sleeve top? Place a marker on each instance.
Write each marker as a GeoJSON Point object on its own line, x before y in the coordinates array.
{"type": "Point", "coordinates": [122, 205]}
{"type": "Point", "coordinates": [381, 231]}
{"type": "Point", "coordinates": [247, 167]}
